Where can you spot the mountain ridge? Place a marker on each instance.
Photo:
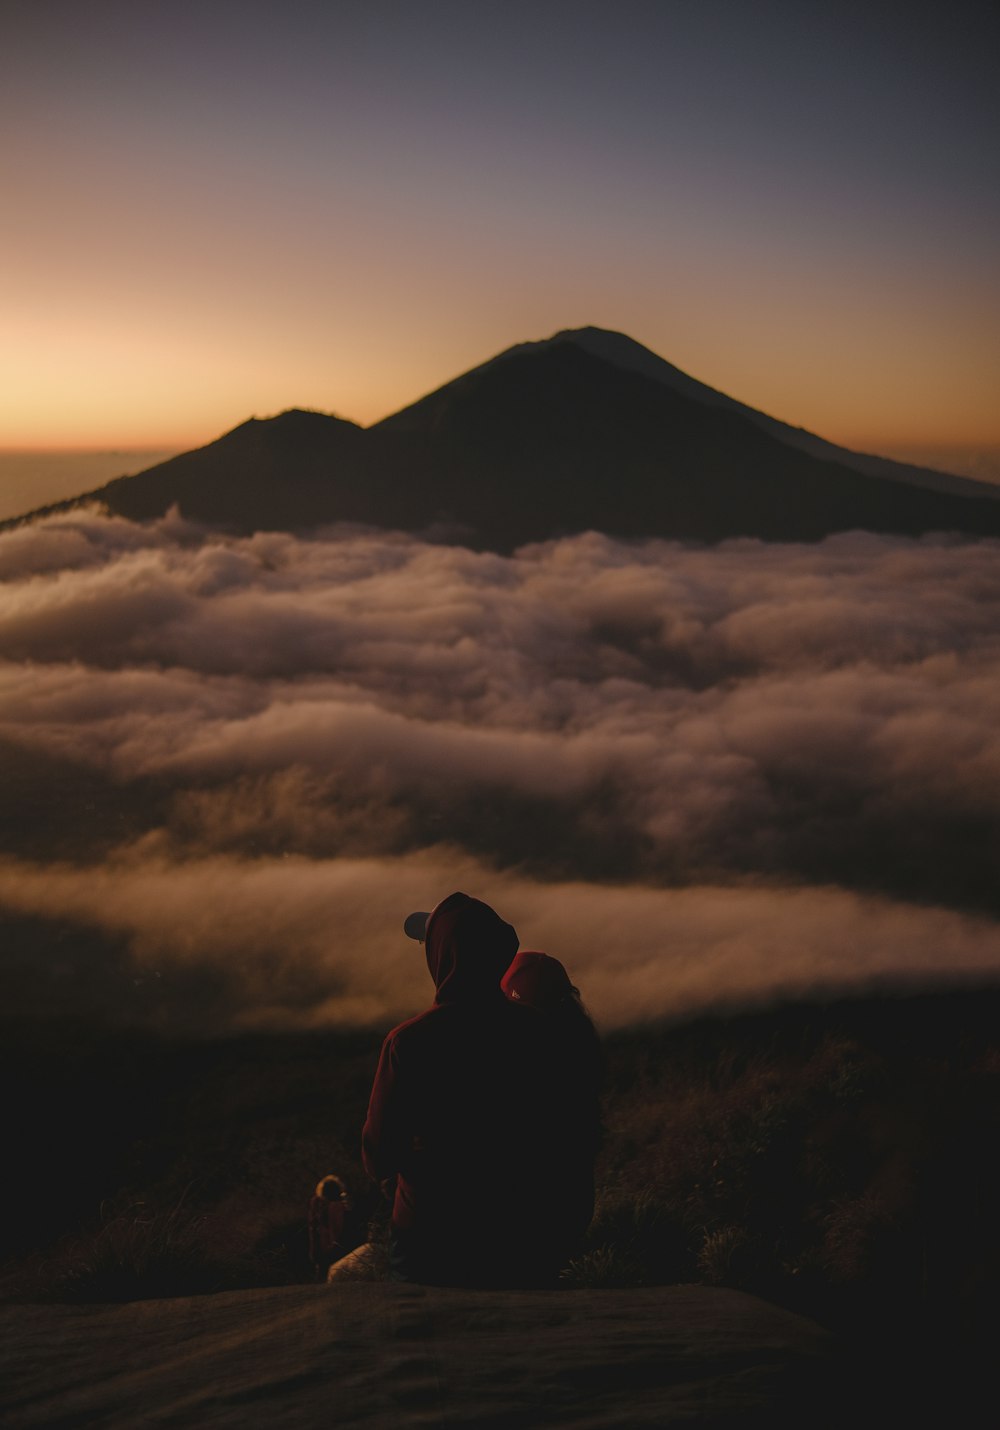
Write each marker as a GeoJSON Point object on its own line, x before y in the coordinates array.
{"type": "Point", "coordinates": [585, 430]}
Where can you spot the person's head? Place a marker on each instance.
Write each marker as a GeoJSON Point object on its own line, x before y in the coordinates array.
{"type": "Point", "coordinates": [468, 947]}
{"type": "Point", "coordinates": [331, 1189]}
{"type": "Point", "coordinates": [538, 981]}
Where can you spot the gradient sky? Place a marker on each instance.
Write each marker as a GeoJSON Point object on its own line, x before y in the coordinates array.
{"type": "Point", "coordinates": [225, 208]}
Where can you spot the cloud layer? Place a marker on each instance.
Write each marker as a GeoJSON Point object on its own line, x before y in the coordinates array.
{"type": "Point", "coordinates": [751, 767]}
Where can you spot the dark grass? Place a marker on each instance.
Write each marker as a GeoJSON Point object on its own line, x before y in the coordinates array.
{"type": "Point", "coordinates": [147, 1167]}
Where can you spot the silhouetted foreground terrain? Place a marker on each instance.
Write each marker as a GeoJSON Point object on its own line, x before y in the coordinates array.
{"type": "Point", "coordinates": [840, 1160]}
{"type": "Point", "coordinates": [585, 431]}
{"type": "Point", "coordinates": [386, 1355]}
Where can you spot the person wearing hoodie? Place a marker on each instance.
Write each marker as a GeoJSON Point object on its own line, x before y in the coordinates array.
{"type": "Point", "coordinates": [539, 983]}
{"type": "Point", "coordinates": [476, 1126]}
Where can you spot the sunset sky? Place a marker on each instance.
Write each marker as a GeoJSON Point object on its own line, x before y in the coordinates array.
{"type": "Point", "coordinates": [219, 209]}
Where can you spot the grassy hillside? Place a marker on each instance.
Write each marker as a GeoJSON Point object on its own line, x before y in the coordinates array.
{"type": "Point", "coordinates": [841, 1158]}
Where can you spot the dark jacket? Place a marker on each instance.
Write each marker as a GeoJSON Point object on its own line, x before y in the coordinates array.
{"type": "Point", "coordinates": [484, 1122]}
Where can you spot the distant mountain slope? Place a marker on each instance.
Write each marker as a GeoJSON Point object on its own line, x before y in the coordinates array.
{"type": "Point", "coordinates": [624, 352]}
{"type": "Point", "coordinates": [273, 473]}
{"type": "Point", "coordinates": [587, 430]}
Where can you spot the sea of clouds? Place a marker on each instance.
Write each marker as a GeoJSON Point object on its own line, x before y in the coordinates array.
{"type": "Point", "coordinates": [696, 774]}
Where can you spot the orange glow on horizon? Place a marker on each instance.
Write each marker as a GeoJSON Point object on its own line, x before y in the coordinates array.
{"type": "Point", "coordinates": [80, 418]}
{"type": "Point", "coordinates": [86, 380]}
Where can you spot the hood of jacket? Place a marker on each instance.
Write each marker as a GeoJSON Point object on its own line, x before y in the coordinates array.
{"type": "Point", "coordinates": [537, 979]}
{"type": "Point", "coordinates": [468, 948]}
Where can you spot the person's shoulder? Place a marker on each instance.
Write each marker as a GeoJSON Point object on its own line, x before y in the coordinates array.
{"type": "Point", "coordinates": [413, 1029]}
{"type": "Point", "coordinates": [457, 1025]}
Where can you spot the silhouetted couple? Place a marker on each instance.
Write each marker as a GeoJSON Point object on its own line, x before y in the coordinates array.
{"type": "Point", "coordinates": [483, 1121]}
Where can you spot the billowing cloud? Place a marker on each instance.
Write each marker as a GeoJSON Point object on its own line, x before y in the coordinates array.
{"type": "Point", "coordinates": [306, 942]}
{"type": "Point", "coordinates": [806, 736]}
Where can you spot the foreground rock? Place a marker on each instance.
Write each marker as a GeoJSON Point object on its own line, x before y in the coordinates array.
{"type": "Point", "coordinates": [380, 1354]}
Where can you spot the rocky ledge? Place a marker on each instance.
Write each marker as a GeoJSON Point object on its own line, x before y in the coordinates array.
{"type": "Point", "coordinates": [386, 1355]}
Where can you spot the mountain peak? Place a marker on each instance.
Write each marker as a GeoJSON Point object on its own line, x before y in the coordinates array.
{"type": "Point", "coordinates": [621, 351]}
{"type": "Point", "coordinates": [624, 352]}
{"type": "Point", "coordinates": [605, 339]}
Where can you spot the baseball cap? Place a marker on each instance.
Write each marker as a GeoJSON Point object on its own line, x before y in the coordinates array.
{"type": "Point", "coordinates": [415, 925]}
